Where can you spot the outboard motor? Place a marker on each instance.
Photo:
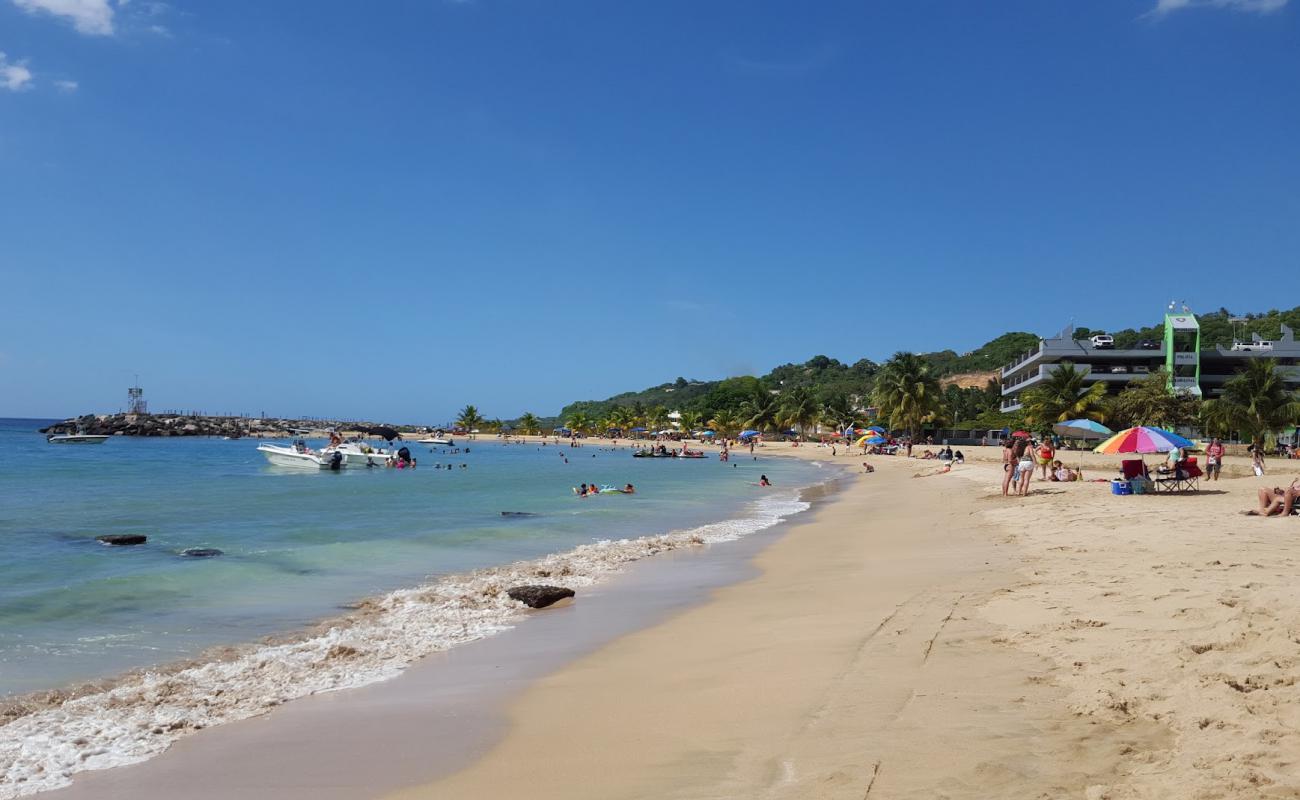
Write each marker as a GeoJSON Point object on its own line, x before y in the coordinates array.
{"type": "Point", "coordinates": [336, 461]}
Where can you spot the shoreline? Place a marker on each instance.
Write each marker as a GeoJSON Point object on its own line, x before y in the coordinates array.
{"type": "Point", "coordinates": [149, 709]}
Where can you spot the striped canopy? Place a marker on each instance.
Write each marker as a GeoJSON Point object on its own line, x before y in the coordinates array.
{"type": "Point", "coordinates": [1142, 440]}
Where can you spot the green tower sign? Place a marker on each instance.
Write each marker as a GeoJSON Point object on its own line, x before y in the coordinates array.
{"type": "Point", "coordinates": [1183, 353]}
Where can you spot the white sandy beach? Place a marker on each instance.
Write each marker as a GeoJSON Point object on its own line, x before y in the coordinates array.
{"type": "Point", "coordinates": [929, 638]}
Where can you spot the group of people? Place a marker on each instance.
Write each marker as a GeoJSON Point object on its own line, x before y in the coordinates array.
{"type": "Point", "coordinates": [587, 491]}
{"type": "Point", "coordinates": [1020, 456]}
{"type": "Point", "coordinates": [946, 454]}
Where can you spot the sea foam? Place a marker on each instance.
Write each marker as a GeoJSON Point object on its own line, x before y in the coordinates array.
{"type": "Point", "coordinates": [139, 717]}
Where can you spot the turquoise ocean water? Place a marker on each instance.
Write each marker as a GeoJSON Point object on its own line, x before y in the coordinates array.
{"type": "Point", "coordinates": [298, 545]}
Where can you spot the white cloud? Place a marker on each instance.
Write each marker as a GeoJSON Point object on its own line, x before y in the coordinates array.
{"type": "Point", "coordinates": [1164, 7]}
{"type": "Point", "coordinates": [160, 30]}
{"type": "Point", "coordinates": [67, 86]}
{"type": "Point", "coordinates": [14, 76]}
{"type": "Point", "coordinates": [91, 17]}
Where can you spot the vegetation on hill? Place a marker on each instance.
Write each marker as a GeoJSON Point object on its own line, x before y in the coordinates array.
{"type": "Point", "coordinates": [1217, 328]}
{"type": "Point", "coordinates": [908, 393]}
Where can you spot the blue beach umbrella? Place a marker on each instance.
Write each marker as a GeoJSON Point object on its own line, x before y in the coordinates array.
{"type": "Point", "coordinates": [637, 430]}
{"type": "Point", "coordinates": [747, 434]}
{"type": "Point", "coordinates": [1081, 429]}
{"type": "Point", "coordinates": [877, 429]}
{"type": "Point", "coordinates": [707, 433]}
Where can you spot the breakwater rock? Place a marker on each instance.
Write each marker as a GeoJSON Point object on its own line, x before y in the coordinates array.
{"type": "Point", "coordinates": [193, 425]}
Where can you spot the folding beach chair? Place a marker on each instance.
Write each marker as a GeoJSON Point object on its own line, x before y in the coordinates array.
{"type": "Point", "coordinates": [1186, 477]}
{"type": "Point", "coordinates": [1133, 468]}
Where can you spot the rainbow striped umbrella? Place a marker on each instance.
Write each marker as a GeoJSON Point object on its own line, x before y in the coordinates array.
{"type": "Point", "coordinates": [1142, 440]}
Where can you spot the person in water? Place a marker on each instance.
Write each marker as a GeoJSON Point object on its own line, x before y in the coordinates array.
{"type": "Point", "coordinates": [629, 489]}
{"type": "Point", "coordinates": [763, 481]}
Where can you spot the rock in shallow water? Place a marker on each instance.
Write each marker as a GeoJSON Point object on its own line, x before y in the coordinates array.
{"type": "Point", "coordinates": [201, 552]}
{"type": "Point", "coordinates": [539, 596]}
{"type": "Point", "coordinates": [120, 539]}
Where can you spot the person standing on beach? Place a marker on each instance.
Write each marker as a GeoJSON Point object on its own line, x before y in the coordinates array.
{"type": "Point", "coordinates": [1045, 455]}
{"type": "Point", "coordinates": [1257, 460]}
{"type": "Point", "coordinates": [1213, 459]}
{"type": "Point", "coordinates": [1008, 464]}
{"type": "Point", "coordinates": [1025, 464]}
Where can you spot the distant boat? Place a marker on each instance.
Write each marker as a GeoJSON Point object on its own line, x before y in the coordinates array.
{"type": "Point", "coordinates": [76, 438]}
{"type": "Point", "coordinates": [300, 456]}
{"type": "Point", "coordinates": [438, 440]}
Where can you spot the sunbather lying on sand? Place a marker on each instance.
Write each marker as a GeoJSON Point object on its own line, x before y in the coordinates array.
{"type": "Point", "coordinates": [1276, 502]}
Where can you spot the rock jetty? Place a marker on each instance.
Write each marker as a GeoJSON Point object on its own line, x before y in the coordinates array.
{"type": "Point", "coordinates": [193, 425]}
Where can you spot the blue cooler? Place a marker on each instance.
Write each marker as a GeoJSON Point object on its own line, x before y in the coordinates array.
{"type": "Point", "coordinates": [1118, 486]}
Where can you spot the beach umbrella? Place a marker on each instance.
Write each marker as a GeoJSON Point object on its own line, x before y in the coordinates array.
{"type": "Point", "coordinates": [637, 430]}
{"type": "Point", "coordinates": [877, 429]}
{"type": "Point", "coordinates": [1140, 440]}
{"type": "Point", "coordinates": [1021, 435]}
{"type": "Point", "coordinates": [1081, 429]}
{"type": "Point", "coordinates": [747, 434]}
{"type": "Point", "coordinates": [707, 433]}
{"type": "Point", "coordinates": [870, 439]}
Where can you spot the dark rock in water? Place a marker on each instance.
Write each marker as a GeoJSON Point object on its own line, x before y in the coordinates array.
{"type": "Point", "coordinates": [517, 514]}
{"type": "Point", "coordinates": [539, 596]}
{"type": "Point", "coordinates": [120, 539]}
{"type": "Point", "coordinates": [201, 552]}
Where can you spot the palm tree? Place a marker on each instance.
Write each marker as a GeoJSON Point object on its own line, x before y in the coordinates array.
{"type": "Point", "coordinates": [726, 423]}
{"type": "Point", "coordinates": [1254, 402]}
{"type": "Point", "coordinates": [469, 419]}
{"type": "Point", "coordinates": [800, 409]}
{"type": "Point", "coordinates": [528, 423]}
{"type": "Point", "coordinates": [837, 411]}
{"type": "Point", "coordinates": [690, 422]}
{"type": "Point", "coordinates": [622, 417]}
{"type": "Point", "coordinates": [1064, 396]}
{"type": "Point", "coordinates": [656, 418]}
{"type": "Point", "coordinates": [761, 410]}
{"type": "Point", "coordinates": [579, 422]}
{"type": "Point", "coordinates": [907, 394]}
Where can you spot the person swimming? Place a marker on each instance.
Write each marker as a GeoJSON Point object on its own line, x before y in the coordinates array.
{"type": "Point", "coordinates": [763, 481]}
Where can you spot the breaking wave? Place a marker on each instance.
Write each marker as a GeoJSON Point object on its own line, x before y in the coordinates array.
{"type": "Point", "coordinates": [46, 738]}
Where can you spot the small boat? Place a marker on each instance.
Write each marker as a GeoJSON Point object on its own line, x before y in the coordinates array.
{"type": "Point", "coordinates": [76, 438]}
{"type": "Point", "coordinates": [359, 455]}
{"type": "Point", "coordinates": [439, 441]}
{"type": "Point", "coordinates": [300, 456]}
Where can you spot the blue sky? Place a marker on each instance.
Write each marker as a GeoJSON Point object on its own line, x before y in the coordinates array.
{"type": "Point", "coordinates": [388, 210]}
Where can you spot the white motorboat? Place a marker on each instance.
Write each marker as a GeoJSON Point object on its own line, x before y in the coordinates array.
{"type": "Point", "coordinates": [440, 441]}
{"type": "Point", "coordinates": [360, 455]}
{"type": "Point", "coordinates": [301, 456]}
{"type": "Point", "coordinates": [76, 438]}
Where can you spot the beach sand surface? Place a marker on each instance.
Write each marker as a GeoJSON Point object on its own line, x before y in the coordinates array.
{"type": "Point", "coordinates": [926, 637]}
